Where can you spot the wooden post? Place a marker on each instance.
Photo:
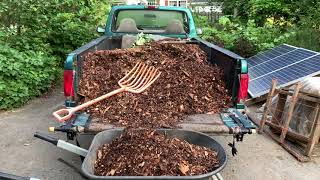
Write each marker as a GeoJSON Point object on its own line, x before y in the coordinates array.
{"type": "Point", "coordinates": [267, 106]}
{"type": "Point", "coordinates": [293, 102]}
{"type": "Point", "coordinates": [279, 108]}
{"type": "Point", "coordinates": [315, 132]}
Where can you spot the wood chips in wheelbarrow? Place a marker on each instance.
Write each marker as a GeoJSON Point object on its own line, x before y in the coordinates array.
{"type": "Point", "coordinates": [150, 153]}
{"type": "Point", "coordinates": [188, 85]}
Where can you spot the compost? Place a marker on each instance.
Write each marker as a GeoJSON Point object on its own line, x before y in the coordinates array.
{"type": "Point", "coordinates": [150, 153]}
{"type": "Point", "coordinates": [188, 84]}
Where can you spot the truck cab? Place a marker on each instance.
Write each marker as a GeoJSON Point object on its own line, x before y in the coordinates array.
{"type": "Point", "coordinates": [175, 22]}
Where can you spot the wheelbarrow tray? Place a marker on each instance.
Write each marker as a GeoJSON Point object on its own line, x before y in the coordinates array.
{"type": "Point", "coordinates": [192, 137]}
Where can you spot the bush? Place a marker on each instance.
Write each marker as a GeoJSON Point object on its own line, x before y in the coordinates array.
{"type": "Point", "coordinates": [267, 23]}
{"type": "Point", "coordinates": [23, 75]}
{"type": "Point", "coordinates": [244, 47]}
{"type": "Point", "coordinates": [245, 39]}
{"type": "Point", "coordinates": [55, 27]}
{"type": "Point", "coordinates": [35, 37]}
{"type": "Point", "coordinates": [200, 21]}
{"type": "Point", "coordinates": [306, 37]}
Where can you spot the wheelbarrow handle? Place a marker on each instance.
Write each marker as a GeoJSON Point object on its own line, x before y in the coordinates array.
{"type": "Point", "coordinates": [62, 144]}
{"type": "Point", "coordinates": [47, 138]}
{"type": "Point", "coordinates": [7, 176]}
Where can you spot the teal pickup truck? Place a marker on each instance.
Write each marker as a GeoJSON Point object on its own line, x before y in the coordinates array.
{"type": "Point", "coordinates": [156, 21]}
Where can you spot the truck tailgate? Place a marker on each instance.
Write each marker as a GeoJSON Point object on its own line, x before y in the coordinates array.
{"type": "Point", "coordinates": [207, 123]}
{"type": "Point", "coordinates": [231, 121]}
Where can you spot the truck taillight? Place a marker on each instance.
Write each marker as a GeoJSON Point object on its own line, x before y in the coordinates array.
{"type": "Point", "coordinates": [243, 90]}
{"type": "Point", "coordinates": [68, 83]}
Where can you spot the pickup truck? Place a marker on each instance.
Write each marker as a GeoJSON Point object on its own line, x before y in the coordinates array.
{"type": "Point", "coordinates": [156, 21]}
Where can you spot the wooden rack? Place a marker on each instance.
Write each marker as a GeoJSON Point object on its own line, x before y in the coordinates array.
{"type": "Point", "coordinates": [277, 127]}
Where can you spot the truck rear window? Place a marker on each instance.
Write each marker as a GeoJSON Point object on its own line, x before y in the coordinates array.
{"type": "Point", "coordinates": [151, 21]}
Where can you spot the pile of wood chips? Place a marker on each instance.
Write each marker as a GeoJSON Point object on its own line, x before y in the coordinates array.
{"type": "Point", "coordinates": [188, 85]}
{"type": "Point", "coordinates": [150, 153]}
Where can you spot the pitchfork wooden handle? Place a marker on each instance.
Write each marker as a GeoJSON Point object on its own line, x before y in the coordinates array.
{"type": "Point", "coordinates": [65, 114]}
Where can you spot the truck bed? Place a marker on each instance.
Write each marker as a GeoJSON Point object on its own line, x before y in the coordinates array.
{"type": "Point", "coordinates": [229, 61]}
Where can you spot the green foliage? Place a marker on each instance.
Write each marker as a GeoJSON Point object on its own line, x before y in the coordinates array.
{"type": "Point", "coordinates": [305, 37]}
{"type": "Point", "coordinates": [247, 39]}
{"type": "Point", "coordinates": [141, 39]}
{"type": "Point", "coordinates": [236, 7]}
{"type": "Point", "coordinates": [200, 21]}
{"type": "Point", "coordinates": [23, 75]}
{"type": "Point", "coordinates": [258, 10]}
{"type": "Point", "coordinates": [35, 36]}
{"type": "Point", "coordinates": [55, 27]}
{"type": "Point", "coordinates": [261, 10]}
{"type": "Point", "coordinates": [252, 26]}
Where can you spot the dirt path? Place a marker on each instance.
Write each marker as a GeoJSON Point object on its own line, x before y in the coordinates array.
{"type": "Point", "coordinates": [22, 154]}
{"type": "Point", "coordinates": [259, 157]}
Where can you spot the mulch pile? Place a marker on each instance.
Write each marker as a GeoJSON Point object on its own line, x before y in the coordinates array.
{"type": "Point", "coordinates": [188, 84]}
{"type": "Point", "coordinates": [150, 153]}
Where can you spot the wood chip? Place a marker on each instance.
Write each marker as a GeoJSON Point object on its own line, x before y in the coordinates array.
{"type": "Point", "coordinates": [153, 155]}
{"type": "Point", "coordinates": [111, 173]}
{"type": "Point", "coordinates": [183, 168]}
{"type": "Point", "coordinates": [172, 94]}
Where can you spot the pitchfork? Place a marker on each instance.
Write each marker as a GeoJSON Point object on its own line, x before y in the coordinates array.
{"type": "Point", "coordinates": [136, 81]}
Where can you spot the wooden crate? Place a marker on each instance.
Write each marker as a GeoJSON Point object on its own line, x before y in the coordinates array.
{"type": "Point", "coordinates": [276, 127]}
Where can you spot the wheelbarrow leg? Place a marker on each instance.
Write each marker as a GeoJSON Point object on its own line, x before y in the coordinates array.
{"type": "Point", "coordinates": [217, 177]}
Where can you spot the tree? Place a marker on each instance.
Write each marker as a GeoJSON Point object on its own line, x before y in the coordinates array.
{"type": "Point", "coordinates": [257, 10]}
{"type": "Point", "coordinates": [54, 26]}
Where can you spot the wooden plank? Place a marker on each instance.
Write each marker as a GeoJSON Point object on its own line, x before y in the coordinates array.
{"type": "Point", "coordinates": [315, 133]}
{"type": "Point", "coordinates": [210, 119]}
{"type": "Point", "coordinates": [267, 106]}
{"type": "Point", "coordinates": [205, 128]}
{"type": "Point", "coordinates": [96, 126]}
{"type": "Point", "coordinates": [289, 147]}
{"type": "Point", "coordinates": [291, 134]}
{"type": "Point", "coordinates": [253, 101]}
{"type": "Point", "coordinates": [279, 108]}
{"type": "Point", "coordinates": [302, 95]}
{"type": "Point", "coordinates": [293, 102]}
{"type": "Point", "coordinates": [206, 123]}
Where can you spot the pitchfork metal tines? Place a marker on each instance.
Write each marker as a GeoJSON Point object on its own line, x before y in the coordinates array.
{"type": "Point", "coordinates": [136, 81]}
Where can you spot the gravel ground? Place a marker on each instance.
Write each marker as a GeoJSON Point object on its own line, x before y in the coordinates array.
{"type": "Point", "coordinates": [21, 154]}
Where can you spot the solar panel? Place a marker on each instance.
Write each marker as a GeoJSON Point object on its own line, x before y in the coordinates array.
{"type": "Point", "coordinates": [279, 62]}
{"type": "Point", "coordinates": [270, 54]}
{"type": "Point", "coordinates": [291, 66]}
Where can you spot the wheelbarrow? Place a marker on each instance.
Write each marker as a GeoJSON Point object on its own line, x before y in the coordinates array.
{"type": "Point", "coordinates": [108, 136]}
